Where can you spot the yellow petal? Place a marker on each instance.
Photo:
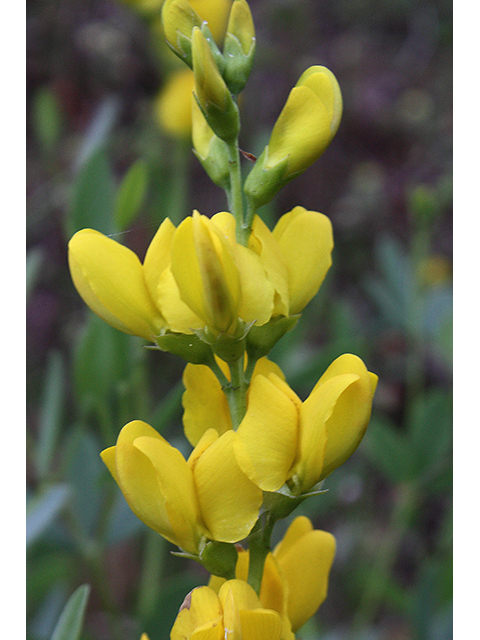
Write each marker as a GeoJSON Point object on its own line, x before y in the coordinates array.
{"type": "Point", "coordinates": [349, 419]}
{"type": "Point", "coordinates": [176, 487]}
{"type": "Point", "coordinates": [306, 242]}
{"type": "Point", "coordinates": [260, 624]}
{"type": "Point", "coordinates": [306, 567]}
{"type": "Point", "coordinates": [109, 277]}
{"type": "Point", "coordinates": [229, 501]}
{"type": "Point", "coordinates": [314, 414]}
{"type": "Point", "coordinates": [215, 12]}
{"type": "Point", "coordinates": [258, 292]}
{"type": "Point", "coordinates": [201, 610]}
{"type": "Point", "coordinates": [274, 589]}
{"type": "Point", "coordinates": [206, 441]}
{"type": "Point", "coordinates": [297, 529]}
{"type": "Point", "coordinates": [301, 133]}
{"type": "Point", "coordinates": [204, 403]}
{"type": "Point", "coordinates": [161, 284]}
{"type": "Point", "coordinates": [264, 243]}
{"type": "Point", "coordinates": [108, 457]}
{"type": "Point", "coordinates": [266, 439]}
{"type": "Point", "coordinates": [137, 479]}
{"type": "Point", "coordinates": [205, 272]}
{"type": "Point", "coordinates": [322, 81]}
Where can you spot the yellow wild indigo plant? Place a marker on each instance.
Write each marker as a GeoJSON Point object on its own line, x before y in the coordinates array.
{"type": "Point", "coordinates": [219, 291]}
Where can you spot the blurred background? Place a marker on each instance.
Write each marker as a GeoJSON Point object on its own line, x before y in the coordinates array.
{"type": "Point", "coordinates": [102, 152]}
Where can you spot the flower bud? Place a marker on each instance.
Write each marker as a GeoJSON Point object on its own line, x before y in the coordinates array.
{"type": "Point", "coordinates": [179, 19]}
{"type": "Point", "coordinates": [304, 129]}
{"type": "Point", "coordinates": [239, 47]}
{"type": "Point", "coordinates": [210, 150]}
{"type": "Point", "coordinates": [211, 92]}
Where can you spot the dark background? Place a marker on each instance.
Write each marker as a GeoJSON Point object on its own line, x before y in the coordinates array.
{"type": "Point", "coordinates": [93, 72]}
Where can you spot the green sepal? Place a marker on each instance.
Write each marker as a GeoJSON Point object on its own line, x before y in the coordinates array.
{"type": "Point", "coordinates": [225, 123]}
{"type": "Point", "coordinates": [189, 347]}
{"type": "Point", "coordinates": [261, 340]}
{"type": "Point", "coordinates": [237, 65]}
{"type": "Point", "coordinates": [263, 183]}
{"type": "Point", "coordinates": [281, 503]}
{"type": "Point", "coordinates": [219, 558]}
{"type": "Point", "coordinates": [217, 54]}
{"type": "Point", "coordinates": [216, 163]}
{"type": "Point", "coordinates": [227, 347]}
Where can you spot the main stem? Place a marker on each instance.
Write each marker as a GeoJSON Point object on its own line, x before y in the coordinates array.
{"type": "Point", "coordinates": [236, 194]}
{"type": "Point", "coordinates": [236, 392]}
{"type": "Point", "coordinates": [259, 547]}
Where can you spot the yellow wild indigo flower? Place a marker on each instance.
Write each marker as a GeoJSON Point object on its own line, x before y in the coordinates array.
{"type": "Point", "coordinates": [302, 132]}
{"type": "Point", "coordinates": [295, 576]}
{"type": "Point", "coordinates": [239, 46]}
{"type": "Point", "coordinates": [304, 244]}
{"type": "Point", "coordinates": [211, 151]}
{"type": "Point", "coordinates": [306, 441]}
{"type": "Point", "coordinates": [188, 502]}
{"type": "Point", "coordinates": [198, 276]}
{"type": "Point", "coordinates": [109, 277]}
{"type": "Point", "coordinates": [235, 612]}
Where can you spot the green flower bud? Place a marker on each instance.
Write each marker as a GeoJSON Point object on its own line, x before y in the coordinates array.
{"type": "Point", "coordinates": [179, 19]}
{"type": "Point", "coordinates": [239, 47]}
{"type": "Point", "coordinates": [210, 150]}
{"type": "Point", "coordinates": [212, 94]}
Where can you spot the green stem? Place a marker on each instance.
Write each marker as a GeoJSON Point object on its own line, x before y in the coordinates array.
{"type": "Point", "coordinates": [236, 392]}
{"type": "Point", "coordinates": [236, 194]}
{"type": "Point", "coordinates": [151, 578]}
{"type": "Point", "coordinates": [259, 546]}
{"type": "Point", "coordinates": [249, 216]}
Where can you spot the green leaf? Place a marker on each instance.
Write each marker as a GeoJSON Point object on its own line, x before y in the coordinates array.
{"type": "Point", "coordinates": [430, 429]}
{"type": "Point", "coordinates": [131, 194]}
{"type": "Point", "coordinates": [94, 196]}
{"type": "Point", "coordinates": [51, 413]}
{"type": "Point", "coordinates": [70, 623]}
{"type": "Point", "coordinates": [47, 118]}
{"type": "Point", "coordinates": [84, 471]}
{"type": "Point", "coordinates": [102, 359]}
{"type": "Point", "coordinates": [43, 508]}
{"type": "Point", "coordinates": [388, 450]}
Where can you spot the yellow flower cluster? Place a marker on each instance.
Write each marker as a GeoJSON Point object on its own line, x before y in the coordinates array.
{"type": "Point", "coordinates": [220, 292]}
{"type": "Point", "coordinates": [198, 276]}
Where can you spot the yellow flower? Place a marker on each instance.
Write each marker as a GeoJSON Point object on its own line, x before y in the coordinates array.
{"type": "Point", "coordinates": [295, 577]}
{"type": "Point", "coordinates": [304, 129]}
{"type": "Point", "coordinates": [302, 442]}
{"type": "Point", "coordinates": [198, 276]}
{"type": "Point", "coordinates": [304, 244]}
{"type": "Point", "coordinates": [220, 280]}
{"type": "Point", "coordinates": [109, 278]}
{"type": "Point", "coordinates": [205, 403]}
{"type": "Point", "coordinates": [216, 13]}
{"type": "Point", "coordinates": [185, 501]}
{"type": "Point", "coordinates": [235, 613]}
{"type": "Point", "coordinates": [173, 104]}
{"type": "Point", "coordinates": [308, 121]}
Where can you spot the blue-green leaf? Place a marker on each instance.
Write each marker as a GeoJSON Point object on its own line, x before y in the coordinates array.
{"type": "Point", "coordinates": [131, 194]}
{"type": "Point", "coordinates": [42, 509]}
{"type": "Point", "coordinates": [70, 623]}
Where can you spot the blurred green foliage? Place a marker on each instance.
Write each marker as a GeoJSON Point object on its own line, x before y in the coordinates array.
{"type": "Point", "coordinates": [96, 159]}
